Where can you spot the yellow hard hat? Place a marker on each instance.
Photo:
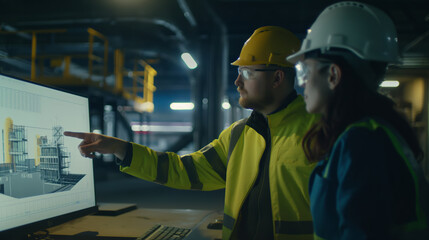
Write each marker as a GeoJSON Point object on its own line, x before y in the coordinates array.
{"type": "Point", "coordinates": [268, 45]}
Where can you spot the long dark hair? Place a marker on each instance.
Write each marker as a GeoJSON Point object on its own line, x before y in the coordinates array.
{"type": "Point", "coordinates": [352, 101]}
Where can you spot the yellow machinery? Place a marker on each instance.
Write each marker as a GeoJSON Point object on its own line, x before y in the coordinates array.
{"type": "Point", "coordinates": [140, 93]}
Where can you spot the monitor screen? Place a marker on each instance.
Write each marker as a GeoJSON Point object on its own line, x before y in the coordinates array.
{"type": "Point", "coordinates": [42, 174]}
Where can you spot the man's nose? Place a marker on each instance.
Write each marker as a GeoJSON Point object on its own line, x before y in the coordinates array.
{"type": "Point", "coordinates": [238, 81]}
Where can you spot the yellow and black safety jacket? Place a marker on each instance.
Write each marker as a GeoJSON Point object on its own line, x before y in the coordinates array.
{"type": "Point", "coordinates": [278, 149]}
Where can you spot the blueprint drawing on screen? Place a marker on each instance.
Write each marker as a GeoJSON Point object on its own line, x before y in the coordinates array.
{"type": "Point", "coordinates": [36, 159]}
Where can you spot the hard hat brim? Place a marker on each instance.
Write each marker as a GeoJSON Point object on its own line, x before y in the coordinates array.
{"type": "Point", "coordinates": [296, 57]}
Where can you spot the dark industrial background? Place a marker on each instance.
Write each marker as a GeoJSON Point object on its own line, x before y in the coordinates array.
{"type": "Point", "coordinates": [102, 48]}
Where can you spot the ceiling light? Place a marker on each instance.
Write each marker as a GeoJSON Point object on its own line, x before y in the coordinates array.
{"type": "Point", "coordinates": [98, 131]}
{"type": "Point", "coordinates": [226, 105]}
{"type": "Point", "coordinates": [174, 127]}
{"type": "Point", "coordinates": [182, 106]}
{"type": "Point", "coordinates": [189, 61]}
{"type": "Point", "coordinates": [389, 83]}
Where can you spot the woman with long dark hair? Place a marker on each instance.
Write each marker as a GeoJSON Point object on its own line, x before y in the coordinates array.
{"type": "Point", "coordinates": [368, 183]}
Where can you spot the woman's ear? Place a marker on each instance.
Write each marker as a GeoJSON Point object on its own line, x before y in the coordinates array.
{"type": "Point", "coordinates": [334, 76]}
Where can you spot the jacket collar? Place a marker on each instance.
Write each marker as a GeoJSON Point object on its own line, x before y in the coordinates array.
{"type": "Point", "coordinates": [286, 102]}
{"type": "Point", "coordinates": [291, 104]}
{"type": "Point", "coordinates": [296, 105]}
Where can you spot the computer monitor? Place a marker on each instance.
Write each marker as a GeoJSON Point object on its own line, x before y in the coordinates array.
{"type": "Point", "coordinates": [44, 180]}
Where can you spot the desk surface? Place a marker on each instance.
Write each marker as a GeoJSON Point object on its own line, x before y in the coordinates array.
{"type": "Point", "coordinates": [136, 222]}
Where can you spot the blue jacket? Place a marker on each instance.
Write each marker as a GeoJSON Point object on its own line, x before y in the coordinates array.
{"type": "Point", "coordinates": [366, 189]}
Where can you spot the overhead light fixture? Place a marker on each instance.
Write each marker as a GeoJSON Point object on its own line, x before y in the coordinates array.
{"type": "Point", "coordinates": [389, 83]}
{"type": "Point", "coordinates": [98, 131]}
{"type": "Point", "coordinates": [226, 105]}
{"type": "Point", "coordinates": [174, 127]}
{"type": "Point", "coordinates": [108, 108]}
{"type": "Point", "coordinates": [144, 106]}
{"type": "Point", "coordinates": [182, 106]}
{"type": "Point", "coordinates": [189, 60]}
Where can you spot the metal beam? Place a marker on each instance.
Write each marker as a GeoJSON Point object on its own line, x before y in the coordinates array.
{"type": "Point", "coordinates": [187, 12]}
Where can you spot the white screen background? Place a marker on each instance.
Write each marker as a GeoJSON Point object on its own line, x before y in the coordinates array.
{"type": "Point", "coordinates": [40, 108]}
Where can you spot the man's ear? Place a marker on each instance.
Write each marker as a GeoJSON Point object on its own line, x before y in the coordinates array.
{"type": "Point", "coordinates": [279, 78]}
{"type": "Point", "coordinates": [334, 76]}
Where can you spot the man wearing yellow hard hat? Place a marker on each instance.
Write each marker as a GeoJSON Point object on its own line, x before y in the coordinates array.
{"type": "Point", "coordinates": [258, 160]}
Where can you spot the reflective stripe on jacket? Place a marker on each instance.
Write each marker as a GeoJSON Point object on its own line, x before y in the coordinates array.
{"type": "Point", "coordinates": [206, 170]}
{"type": "Point", "coordinates": [371, 187]}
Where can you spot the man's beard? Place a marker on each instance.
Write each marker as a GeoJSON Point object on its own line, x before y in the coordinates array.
{"type": "Point", "coordinates": [256, 104]}
{"type": "Point", "coordinates": [245, 103]}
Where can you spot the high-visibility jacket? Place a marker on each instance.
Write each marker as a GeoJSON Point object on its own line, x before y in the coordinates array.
{"type": "Point", "coordinates": [370, 187]}
{"type": "Point", "coordinates": [208, 169]}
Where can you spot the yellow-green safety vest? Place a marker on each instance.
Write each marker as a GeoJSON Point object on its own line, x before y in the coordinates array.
{"type": "Point", "coordinates": [208, 169]}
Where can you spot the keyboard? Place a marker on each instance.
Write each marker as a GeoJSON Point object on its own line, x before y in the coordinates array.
{"type": "Point", "coordinates": [161, 232]}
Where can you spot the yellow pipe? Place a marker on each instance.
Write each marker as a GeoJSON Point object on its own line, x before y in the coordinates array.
{"type": "Point", "coordinates": [106, 56]}
{"type": "Point", "coordinates": [119, 59]}
{"type": "Point", "coordinates": [33, 57]}
{"type": "Point", "coordinates": [93, 32]}
{"type": "Point", "coordinates": [135, 78]}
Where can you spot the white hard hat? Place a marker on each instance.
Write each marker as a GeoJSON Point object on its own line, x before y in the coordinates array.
{"type": "Point", "coordinates": [362, 29]}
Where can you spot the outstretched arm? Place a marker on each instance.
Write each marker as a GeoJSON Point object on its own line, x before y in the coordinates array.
{"type": "Point", "coordinates": [92, 142]}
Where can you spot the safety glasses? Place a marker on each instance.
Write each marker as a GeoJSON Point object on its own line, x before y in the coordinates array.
{"type": "Point", "coordinates": [247, 73]}
{"type": "Point", "coordinates": [302, 71]}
